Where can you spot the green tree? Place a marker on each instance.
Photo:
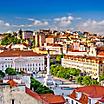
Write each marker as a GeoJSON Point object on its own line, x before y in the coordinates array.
{"type": "Point", "coordinates": [10, 71]}
{"type": "Point", "coordinates": [74, 72]}
{"type": "Point", "coordinates": [79, 79]}
{"type": "Point", "coordinates": [101, 78]}
{"type": "Point", "coordinates": [39, 88]}
{"type": "Point", "coordinates": [95, 82]}
{"type": "Point", "coordinates": [58, 59]}
{"type": "Point", "coordinates": [61, 73]}
{"type": "Point", "coordinates": [52, 68]}
{"type": "Point", "coordinates": [2, 74]}
{"type": "Point", "coordinates": [87, 80]}
{"type": "Point", "coordinates": [9, 38]}
{"type": "Point", "coordinates": [56, 69]}
{"type": "Point", "coordinates": [43, 90]}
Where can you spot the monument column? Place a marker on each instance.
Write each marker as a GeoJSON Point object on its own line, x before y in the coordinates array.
{"type": "Point", "coordinates": [48, 64]}
{"type": "Point", "coordinates": [48, 81]}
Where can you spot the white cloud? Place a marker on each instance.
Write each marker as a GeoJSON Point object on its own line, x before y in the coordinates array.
{"type": "Point", "coordinates": [63, 21]}
{"type": "Point", "coordinates": [92, 26]}
{"type": "Point", "coordinates": [78, 18]}
{"type": "Point", "coordinates": [5, 24]}
{"type": "Point", "coordinates": [30, 19]}
{"type": "Point", "coordinates": [39, 23]}
{"type": "Point", "coordinates": [30, 23]}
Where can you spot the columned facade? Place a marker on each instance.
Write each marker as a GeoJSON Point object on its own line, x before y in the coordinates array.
{"type": "Point", "coordinates": [30, 63]}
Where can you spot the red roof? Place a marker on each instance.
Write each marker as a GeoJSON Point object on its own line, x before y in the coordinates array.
{"type": "Point", "coordinates": [12, 83]}
{"type": "Point", "coordinates": [17, 53]}
{"type": "Point", "coordinates": [73, 95]}
{"type": "Point", "coordinates": [54, 45]}
{"type": "Point", "coordinates": [84, 99]}
{"type": "Point", "coordinates": [63, 36]}
{"type": "Point", "coordinates": [102, 100]}
{"type": "Point", "coordinates": [100, 48]}
{"type": "Point", "coordinates": [93, 91]}
{"type": "Point", "coordinates": [50, 36]}
{"type": "Point", "coordinates": [85, 57]}
{"type": "Point", "coordinates": [46, 98]}
{"type": "Point", "coordinates": [52, 99]}
{"type": "Point", "coordinates": [33, 94]}
{"type": "Point", "coordinates": [101, 54]}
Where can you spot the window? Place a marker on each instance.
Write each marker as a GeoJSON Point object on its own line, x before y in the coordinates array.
{"type": "Point", "coordinates": [89, 101]}
{"type": "Point", "coordinates": [39, 69]}
{"type": "Point", "coordinates": [12, 101]}
{"type": "Point", "coordinates": [72, 102]}
{"type": "Point", "coordinates": [76, 103]}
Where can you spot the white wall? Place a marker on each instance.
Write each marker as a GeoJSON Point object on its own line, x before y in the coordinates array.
{"type": "Point", "coordinates": [29, 63]}
{"type": "Point", "coordinates": [19, 96]}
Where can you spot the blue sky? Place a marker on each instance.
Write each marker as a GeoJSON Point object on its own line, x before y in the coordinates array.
{"type": "Point", "coordinates": [55, 14]}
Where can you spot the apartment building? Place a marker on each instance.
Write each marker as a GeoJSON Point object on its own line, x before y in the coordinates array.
{"type": "Point", "coordinates": [92, 66]}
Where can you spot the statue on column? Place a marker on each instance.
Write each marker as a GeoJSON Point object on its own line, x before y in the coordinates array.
{"type": "Point", "coordinates": [48, 81]}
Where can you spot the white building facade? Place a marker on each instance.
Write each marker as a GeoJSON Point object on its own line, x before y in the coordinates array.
{"type": "Point", "coordinates": [27, 61]}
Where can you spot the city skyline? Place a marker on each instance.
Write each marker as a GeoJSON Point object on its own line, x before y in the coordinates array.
{"type": "Point", "coordinates": [60, 15]}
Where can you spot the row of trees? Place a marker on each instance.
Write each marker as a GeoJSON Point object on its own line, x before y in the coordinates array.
{"type": "Point", "coordinates": [86, 80]}
{"type": "Point", "coordinates": [62, 72]}
{"type": "Point", "coordinates": [8, 71]}
{"type": "Point", "coordinates": [12, 38]}
{"type": "Point", "coordinates": [39, 88]}
{"type": "Point", "coordinates": [9, 38]}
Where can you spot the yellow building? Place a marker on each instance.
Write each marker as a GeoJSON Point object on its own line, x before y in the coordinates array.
{"type": "Point", "coordinates": [92, 66]}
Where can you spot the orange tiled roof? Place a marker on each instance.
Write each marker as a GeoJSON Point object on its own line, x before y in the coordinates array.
{"type": "Point", "coordinates": [86, 57]}
{"type": "Point", "coordinates": [101, 53]}
{"type": "Point", "coordinates": [53, 99]}
{"type": "Point", "coordinates": [63, 36]}
{"type": "Point", "coordinates": [54, 45]}
{"type": "Point", "coordinates": [50, 36]}
{"type": "Point", "coordinates": [17, 53]}
{"type": "Point", "coordinates": [12, 83]}
{"type": "Point", "coordinates": [93, 91]}
{"type": "Point", "coordinates": [100, 48]}
{"type": "Point", "coordinates": [33, 94]}
{"type": "Point", "coordinates": [84, 99]}
{"type": "Point", "coordinates": [73, 95]}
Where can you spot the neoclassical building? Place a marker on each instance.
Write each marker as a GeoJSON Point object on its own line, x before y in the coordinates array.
{"type": "Point", "coordinates": [27, 61]}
